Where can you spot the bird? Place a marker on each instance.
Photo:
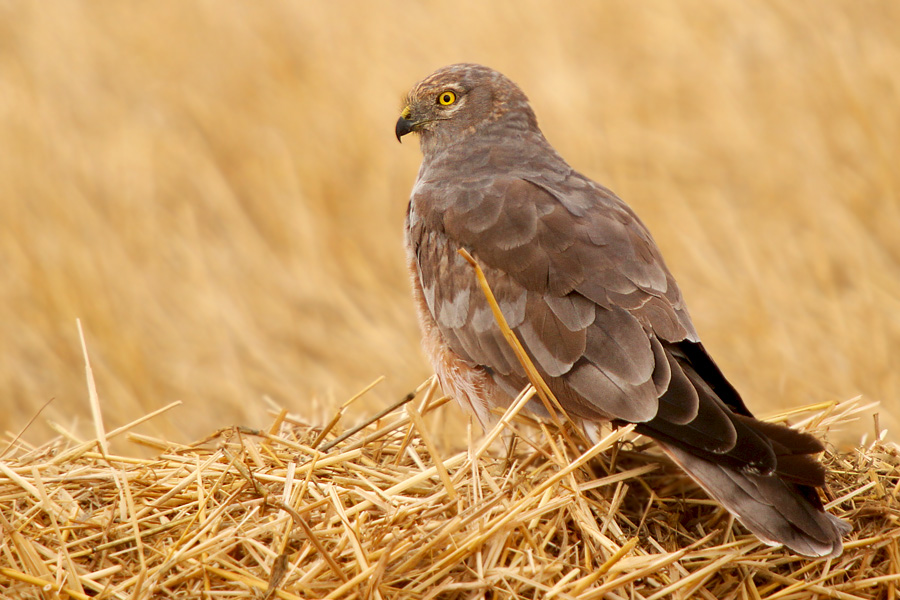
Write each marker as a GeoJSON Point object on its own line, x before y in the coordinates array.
{"type": "Point", "coordinates": [583, 285]}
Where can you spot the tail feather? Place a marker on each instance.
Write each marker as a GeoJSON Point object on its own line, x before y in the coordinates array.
{"type": "Point", "coordinates": [775, 510]}
{"type": "Point", "coordinates": [765, 474]}
{"type": "Point", "coordinates": [793, 450]}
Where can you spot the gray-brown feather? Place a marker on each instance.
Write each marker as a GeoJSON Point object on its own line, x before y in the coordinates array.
{"type": "Point", "coordinates": [583, 299]}
{"type": "Point", "coordinates": [775, 510]}
{"type": "Point", "coordinates": [581, 282]}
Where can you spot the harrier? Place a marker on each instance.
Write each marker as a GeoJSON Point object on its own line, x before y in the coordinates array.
{"type": "Point", "coordinates": [583, 285]}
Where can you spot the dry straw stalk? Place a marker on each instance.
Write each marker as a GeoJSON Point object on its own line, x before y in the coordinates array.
{"type": "Point", "coordinates": [387, 513]}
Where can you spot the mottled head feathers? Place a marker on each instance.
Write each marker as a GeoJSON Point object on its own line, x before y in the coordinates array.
{"type": "Point", "coordinates": [455, 101]}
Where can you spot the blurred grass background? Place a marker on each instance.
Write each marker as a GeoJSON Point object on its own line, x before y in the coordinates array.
{"type": "Point", "coordinates": [216, 191]}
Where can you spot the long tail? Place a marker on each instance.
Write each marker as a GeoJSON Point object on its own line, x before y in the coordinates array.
{"type": "Point", "coordinates": [776, 511]}
{"type": "Point", "coordinates": [765, 474]}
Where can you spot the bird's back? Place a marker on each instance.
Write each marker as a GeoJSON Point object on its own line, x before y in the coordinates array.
{"type": "Point", "coordinates": [583, 285]}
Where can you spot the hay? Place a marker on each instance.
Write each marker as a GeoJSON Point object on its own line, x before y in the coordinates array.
{"type": "Point", "coordinates": [385, 512]}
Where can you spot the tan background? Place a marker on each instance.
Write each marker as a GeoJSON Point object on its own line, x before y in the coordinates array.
{"type": "Point", "coordinates": [215, 190]}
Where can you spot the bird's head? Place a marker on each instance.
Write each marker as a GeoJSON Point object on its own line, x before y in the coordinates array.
{"type": "Point", "coordinates": [459, 100]}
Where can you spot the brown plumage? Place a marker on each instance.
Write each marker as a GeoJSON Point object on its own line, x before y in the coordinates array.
{"type": "Point", "coordinates": [584, 287]}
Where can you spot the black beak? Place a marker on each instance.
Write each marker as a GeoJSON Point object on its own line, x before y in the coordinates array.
{"type": "Point", "coordinates": [403, 127]}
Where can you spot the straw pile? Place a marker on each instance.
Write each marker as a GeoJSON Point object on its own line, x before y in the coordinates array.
{"type": "Point", "coordinates": [380, 511]}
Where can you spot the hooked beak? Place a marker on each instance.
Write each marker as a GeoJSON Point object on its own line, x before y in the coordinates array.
{"type": "Point", "coordinates": [403, 127]}
{"type": "Point", "coordinates": [405, 124]}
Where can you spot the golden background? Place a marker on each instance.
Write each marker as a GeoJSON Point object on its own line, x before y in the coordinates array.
{"type": "Point", "coordinates": [215, 190]}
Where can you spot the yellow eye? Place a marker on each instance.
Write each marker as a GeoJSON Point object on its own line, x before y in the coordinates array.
{"type": "Point", "coordinates": [446, 98]}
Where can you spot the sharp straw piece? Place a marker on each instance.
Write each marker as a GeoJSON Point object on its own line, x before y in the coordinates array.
{"type": "Point", "coordinates": [388, 513]}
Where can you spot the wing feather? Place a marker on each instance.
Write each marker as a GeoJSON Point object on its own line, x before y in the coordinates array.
{"type": "Point", "coordinates": [582, 283]}
{"type": "Point", "coordinates": [584, 289]}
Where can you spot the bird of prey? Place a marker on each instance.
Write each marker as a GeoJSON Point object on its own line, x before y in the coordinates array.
{"type": "Point", "coordinates": [584, 287]}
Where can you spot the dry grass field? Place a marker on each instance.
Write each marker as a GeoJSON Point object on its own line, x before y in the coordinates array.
{"type": "Point", "coordinates": [215, 190]}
